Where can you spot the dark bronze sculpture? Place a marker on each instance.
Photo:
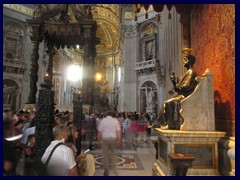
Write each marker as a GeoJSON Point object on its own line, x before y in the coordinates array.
{"type": "Point", "coordinates": [44, 118]}
{"type": "Point", "coordinates": [78, 117]}
{"type": "Point", "coordinates": [169, 116]}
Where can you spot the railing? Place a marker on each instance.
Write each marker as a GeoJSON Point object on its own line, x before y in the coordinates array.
{"type": "Point", "coordinates": [145, 64]}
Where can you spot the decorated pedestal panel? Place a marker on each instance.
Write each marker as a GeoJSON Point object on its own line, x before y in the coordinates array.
{"type": "Point", "coordinates": [203, 145]}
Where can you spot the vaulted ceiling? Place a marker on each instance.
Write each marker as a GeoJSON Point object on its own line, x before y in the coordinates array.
{"type": "Point", "coordinates": [107, 17]}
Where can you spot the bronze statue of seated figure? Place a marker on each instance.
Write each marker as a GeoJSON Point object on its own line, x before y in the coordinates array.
{"type": "Point", "coordinates": [169, 116]}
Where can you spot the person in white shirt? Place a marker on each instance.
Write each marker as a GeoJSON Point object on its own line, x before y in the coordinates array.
{"type": "Point", "coordinates": [109, 134]}
{"type": "Point", "coordinates": [28, 132]}
{"type": "Point", "coordinates": [62, 162]}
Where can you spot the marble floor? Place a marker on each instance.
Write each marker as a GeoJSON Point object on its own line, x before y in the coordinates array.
{"type": "Point", "coordinates": [144, 151]}
{"type": "Point", "coordinates": [144, 157]}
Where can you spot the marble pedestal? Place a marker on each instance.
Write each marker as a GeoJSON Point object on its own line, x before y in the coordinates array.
{"type": "Point", "coordinates": [203, 145]}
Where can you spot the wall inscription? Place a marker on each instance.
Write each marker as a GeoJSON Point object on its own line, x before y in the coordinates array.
{"type": "Point", "coordinates": [20, 8]}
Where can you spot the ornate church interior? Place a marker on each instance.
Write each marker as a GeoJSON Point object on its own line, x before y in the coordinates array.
{"type": "Point", "coordinates": [172, 64]}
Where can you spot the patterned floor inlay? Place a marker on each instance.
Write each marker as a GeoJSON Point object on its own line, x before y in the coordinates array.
{"type": "Point", "coordinates": [124, 161]}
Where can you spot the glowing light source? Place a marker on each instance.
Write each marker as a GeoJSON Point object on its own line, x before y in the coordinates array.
{"type": "Point", "coordinates": [119, 74]}
{"type": "Point", "coordinates": [74, 73]}
{"type": "Point", "coordinates": [98, 77]}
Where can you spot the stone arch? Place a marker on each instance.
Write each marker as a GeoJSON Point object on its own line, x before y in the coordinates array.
{"type": "Point", "coordinates": [144, 88]}
{"type": "Point", "coordinates": [11, 94]}
{"type": "Point", "coordinates": [146, 23]}
{"type": "Point", "coordinates": [146, 80]}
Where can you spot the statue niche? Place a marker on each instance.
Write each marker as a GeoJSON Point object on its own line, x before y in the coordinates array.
{"type": "Point", "coordinates": [148, 47]}
{"type": "Point", "coordinates": [150, 98]}
{"type": "Point", "coordinates": [9, 97]}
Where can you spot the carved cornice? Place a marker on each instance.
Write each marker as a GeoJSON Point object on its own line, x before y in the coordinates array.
{"type": "Point", "coordinates": [61, 29]}
{"type": "Point", "coordinates": [20, 8]}
{"type": "Point", "coordinates": [13, 66]}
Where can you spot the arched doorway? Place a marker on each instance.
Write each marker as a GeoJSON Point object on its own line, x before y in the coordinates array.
{"type": "Point", "coordinates": [11, 95]}
{"type": "Point", "coordinates": [148, 97]}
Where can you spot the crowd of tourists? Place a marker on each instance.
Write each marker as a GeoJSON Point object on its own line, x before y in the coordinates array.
{"type": "Point", "coordinates": [19, 139]}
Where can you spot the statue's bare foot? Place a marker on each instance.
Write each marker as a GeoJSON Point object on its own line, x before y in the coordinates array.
{"type": "Point", "coordinates": [164, 127]}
